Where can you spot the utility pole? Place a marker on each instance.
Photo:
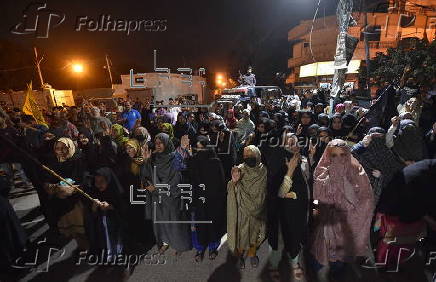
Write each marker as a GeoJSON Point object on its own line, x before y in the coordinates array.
{"type": "Point", "coordinates": [108, 67]}
{"type": "Point", "coordinates": [342, 56]}
{"type": "Point", "coordinates": [367, 51]}
{"type": "Point", "coordinates": [37, 65]}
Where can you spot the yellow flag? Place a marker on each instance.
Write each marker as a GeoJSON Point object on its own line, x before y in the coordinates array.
{"type": "Point", "coordinates": [30, 107]}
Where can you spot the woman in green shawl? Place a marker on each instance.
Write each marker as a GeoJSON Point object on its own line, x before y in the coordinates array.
{"type": "Point", "coordinates": [168, 129]}
{"type": "Point", "coordinates": [246, 207]}
{"type": "Point", "coordinates": [118, 134]}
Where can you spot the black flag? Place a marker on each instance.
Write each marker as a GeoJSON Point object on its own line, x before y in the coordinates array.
{"type": "Point", "coordinates": [381, 112]}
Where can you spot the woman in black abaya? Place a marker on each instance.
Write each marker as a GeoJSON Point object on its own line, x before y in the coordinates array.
{"type": "Point", "coordinates": [106, 228]}
{"type": "Point", "coordinates": [291, 212]}
{"type": "Point", "coordinates": [128, 170]}
{"type": "Point", "coordinates": [64, 203]}
{"type": "Point", "coordinates": [207, 171]}
{"type": "Point", "coordinates": [166, 206]}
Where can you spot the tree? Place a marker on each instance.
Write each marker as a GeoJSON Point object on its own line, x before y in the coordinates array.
{"type": "Point", "coordinates": [413, 58]}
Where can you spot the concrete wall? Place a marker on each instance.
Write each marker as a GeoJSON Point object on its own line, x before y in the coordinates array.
{"type": "Point", "coordinates": [165, 86]}
{"type": "Point", "coordinates": [45, 99]}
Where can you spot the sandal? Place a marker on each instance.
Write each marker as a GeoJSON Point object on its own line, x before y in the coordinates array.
{"type": "Point", "coordinates": [297, 272]}
{"type": "Point", "coordinates": [274, 274]}
{"type": "Point", "coordinates": [213, 254]}
{"type": "Point", "coordinates": [199, 256]}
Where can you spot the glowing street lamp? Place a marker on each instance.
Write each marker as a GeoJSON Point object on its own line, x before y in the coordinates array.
{"type": "Point", "coordinates": [220, 80]}
{"type": "Point", "coordinates": [77, 68]}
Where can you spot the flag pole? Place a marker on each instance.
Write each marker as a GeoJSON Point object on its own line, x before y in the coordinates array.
{"type": "Point", "coordinates": [38, 67]}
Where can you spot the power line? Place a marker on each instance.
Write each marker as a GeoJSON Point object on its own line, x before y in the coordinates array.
{"type": "Point", "coordinates": [311, 31]}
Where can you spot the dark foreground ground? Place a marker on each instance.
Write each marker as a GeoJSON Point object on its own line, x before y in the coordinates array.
{"type": "Point", "coordinates": [56, 261]}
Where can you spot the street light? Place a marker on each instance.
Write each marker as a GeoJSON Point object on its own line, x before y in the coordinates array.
{"type": "Point", "coordinates": [77, 68]}
{"type": "Point", "coordinates": [220, 80]}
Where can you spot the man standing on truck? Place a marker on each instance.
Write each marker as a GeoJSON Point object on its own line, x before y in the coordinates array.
{"type": "Point", "coordinates": [248, 79]}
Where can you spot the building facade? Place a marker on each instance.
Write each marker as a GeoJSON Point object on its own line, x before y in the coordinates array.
{"type": "Point", "coordinates": [161, 86]}
{"type": "Point", "coordinates": [312, 54]}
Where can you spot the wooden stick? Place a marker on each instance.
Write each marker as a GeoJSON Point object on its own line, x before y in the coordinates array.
{"type": "Point", "coordinates": [26, 154]}
{"type": "Point", "coordinates": [68, 183]}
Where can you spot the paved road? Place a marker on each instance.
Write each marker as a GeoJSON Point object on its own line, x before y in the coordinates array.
{"type": "Point", "coordinates": [60, 260]}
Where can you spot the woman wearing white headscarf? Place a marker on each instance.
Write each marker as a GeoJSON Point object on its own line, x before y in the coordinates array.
{"type": "Point", "coordinates": [65, 204]}
{"type": "Point", "coordinates": [246, 207]}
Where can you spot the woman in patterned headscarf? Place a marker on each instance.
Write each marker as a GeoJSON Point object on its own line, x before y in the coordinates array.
{"type": "Point", "coordinates": [133, 150]}
{"type": "Point", "coordinates": [118, 134]}
{"type": "Point", "coordinates": [128, 170]}
{"type": "Point", "coordinates": [168, 129]}
{"type": "Point", "coordinates": [346, 205]}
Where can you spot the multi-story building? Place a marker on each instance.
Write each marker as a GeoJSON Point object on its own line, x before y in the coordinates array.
{"type": "Point", "coordinates": [401, 19]}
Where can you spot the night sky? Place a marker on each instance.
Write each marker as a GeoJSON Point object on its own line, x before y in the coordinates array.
{"type": "Point", "coordinates": [224, 35]}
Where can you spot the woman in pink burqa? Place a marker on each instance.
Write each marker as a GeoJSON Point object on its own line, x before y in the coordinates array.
{"type": "Point", "coordinates": [345, 208]}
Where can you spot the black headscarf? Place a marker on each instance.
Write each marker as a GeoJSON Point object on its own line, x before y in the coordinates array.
{"type": "Point", "coordinates": [336, 132]}
{"type": "Point", "coordinates": [114, 191]}
{"type": "Point", "coordinates": [323, 117]}
{"type": "Point", "coordinates": [203, 140]}
{"type": "Point", "coordinates": [408, 143]}
{"type": "Point", "coordinates": [280, 120]}
{"type": "Point", "coordinates": [315, 130]}
{"type": "Point", "coordinates": [349, 121]}
{"type": "Point", "coordinates": [377, 156]}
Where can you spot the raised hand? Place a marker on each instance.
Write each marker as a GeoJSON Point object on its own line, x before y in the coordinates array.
{"type": "Point", "coordinates": [293, 163]}
{"type": "Point", "coordinates": [184, 142]}
{"type": "Point", "coordinates": [146, 152]}
{"type": "Point", "coordinates": [106, 129]}
{"type": "Point", "coordinates": [312, 149]}
{"type": "Point", "coordinates": [366, 140]}
{"type": "Point", "coordinates": [299, 129]}
{"type": "Point", "coordinates": [376, 173]}
{"type": "Point", "coordinates": [150, 188]}
{"type": "Point", "coordinates": [395, 121]}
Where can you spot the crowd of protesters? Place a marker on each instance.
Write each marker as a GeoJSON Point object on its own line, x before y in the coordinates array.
{"type": "Point", "coordinates": [284, 171]}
